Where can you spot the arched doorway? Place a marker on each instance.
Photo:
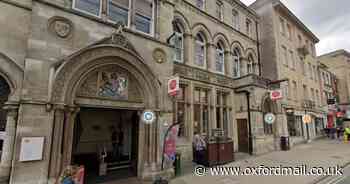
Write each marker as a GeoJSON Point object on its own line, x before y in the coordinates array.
{"type": "Point", "coordinates": [5, 91]}
{"type": "Point", "coordinates": [99, 93]}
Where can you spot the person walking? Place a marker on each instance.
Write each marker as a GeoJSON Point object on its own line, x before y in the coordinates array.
{"type": "Point", "coordinates": [346, 134]}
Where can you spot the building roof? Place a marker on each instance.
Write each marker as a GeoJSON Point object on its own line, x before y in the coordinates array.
{"type": "Point", "coordinates": [250, 10]}
{"type": "Point", "coordinates": [336, 53]}
{"type": "Point", "coordinates": [277, 4]}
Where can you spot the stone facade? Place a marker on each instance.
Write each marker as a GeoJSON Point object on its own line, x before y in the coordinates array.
{"type": "Point", "coordinates": [288, 53]}
{"type": "Point", "coordinates": [53, 54]}
{"type": "Point", "coordinates": [337, 62]}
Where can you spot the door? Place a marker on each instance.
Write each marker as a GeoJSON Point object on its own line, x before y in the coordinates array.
{"type": "Point", "coordinates": [243, 140]}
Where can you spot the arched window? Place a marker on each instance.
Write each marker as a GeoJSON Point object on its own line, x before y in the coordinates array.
{"type": "Point", "coordinates": [200, 50]}
{"type": "Point", "coordinates": [236, 63]}
{"type": "Point", "coordinates": [178, 42]}
{"type": "Point", "coordinates": [220, 58]}
{"type": "Point", "coordinates": [4, 93]}
{"type": "Point", "coordinates": [250, 64]}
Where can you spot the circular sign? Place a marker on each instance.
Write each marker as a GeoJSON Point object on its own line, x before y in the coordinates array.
{"type": "Point", "coordinates": [148, 117]}
{"type": "Point", "coordinates": [306, 118]}
{"type": "Point", "coordinates": [270, 118]}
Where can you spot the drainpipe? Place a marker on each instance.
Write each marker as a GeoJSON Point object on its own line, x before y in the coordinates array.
{"type": "Point", "coordinates": [250, 137]}
{"type": "Point", "coordinates": [258, 46]}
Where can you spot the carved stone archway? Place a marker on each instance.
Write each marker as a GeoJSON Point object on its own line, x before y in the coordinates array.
{"type": "Point", "coordinates": [115, 51]}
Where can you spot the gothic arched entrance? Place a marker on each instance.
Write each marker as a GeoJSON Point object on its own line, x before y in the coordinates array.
{"type": "Point", "coordinates": [98, 94]}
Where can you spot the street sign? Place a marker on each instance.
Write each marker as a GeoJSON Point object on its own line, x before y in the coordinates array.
{"type": "Point", "coordinates": [307, 119]}
{"type": "Point", "coordinates": [276, 94]}
{"type": "Point", "coordinates": [148, 117]}
{"type": "Point", "coordinates": [173, 86]}
{"type": "Point", "coordinates": [270, 118]}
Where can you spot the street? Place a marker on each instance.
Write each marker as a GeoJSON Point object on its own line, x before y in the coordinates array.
{"type": "Point", "coordinates": [319, 153]}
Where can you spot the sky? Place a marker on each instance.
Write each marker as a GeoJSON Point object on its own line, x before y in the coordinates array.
{"type": "Point", "coordinates": [329, 20]}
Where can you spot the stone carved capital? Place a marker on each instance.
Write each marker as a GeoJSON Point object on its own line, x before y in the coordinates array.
{"type": "Point", "coordinates": [11, 108]}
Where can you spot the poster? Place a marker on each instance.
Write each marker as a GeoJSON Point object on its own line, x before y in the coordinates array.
{"type": "Point", "coordinates": [31, 149]}
{"type": "Point", "coordinates": [170, 143]}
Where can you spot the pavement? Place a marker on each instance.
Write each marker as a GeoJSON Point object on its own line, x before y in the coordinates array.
{"type": "Point", "coordinates": [320, 153]}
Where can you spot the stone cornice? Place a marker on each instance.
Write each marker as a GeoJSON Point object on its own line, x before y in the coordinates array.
{"type": "Point", "coordinates": [19, 5]}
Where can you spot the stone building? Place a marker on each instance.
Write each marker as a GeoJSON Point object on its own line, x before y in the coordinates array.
{"type": "Point", "coordinates": [288, 53]}
{"type": "Point", "coordinates": [338, 63]}
{"type": "Point", "coordinates": [77, 74]}
{"type": "Point", "coordinates": [328, 83]}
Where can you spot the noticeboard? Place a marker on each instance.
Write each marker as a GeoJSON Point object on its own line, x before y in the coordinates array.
{"type": "Point", "coordinates": [31, 149]}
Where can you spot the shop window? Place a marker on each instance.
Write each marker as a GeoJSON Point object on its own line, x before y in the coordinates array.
{"type": "Point", "coordinates": [92, 7]}
{"type": "Point", "coordinates": [222, 112]}
{"type": "Point", "coordinates": [118, 11]}
{"type": "Point", "coordinates": [201, 111]}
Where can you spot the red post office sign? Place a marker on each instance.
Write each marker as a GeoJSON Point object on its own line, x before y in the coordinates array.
{"type": "Point", "coordinates": [173, 86]}
{"type": "Point", "coordinates": [276, 94]}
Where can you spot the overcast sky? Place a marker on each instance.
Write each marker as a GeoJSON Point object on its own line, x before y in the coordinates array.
{"type": "Point", "coordinates": [329, 20]}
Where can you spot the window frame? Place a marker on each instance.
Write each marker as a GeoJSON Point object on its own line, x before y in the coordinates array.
{"type": "Point", "coordinates": [238, 59]}
{"type": "Point", "coordinates": [129, 12]}
{"type": "Point", "coordinates": [204, 45]}
{"type": "Point", "coordinates": [220, 52]}
{"type": "Point", "coordinates": [152, 20]}
{"type": "Point", "coordinates": [84, 11]}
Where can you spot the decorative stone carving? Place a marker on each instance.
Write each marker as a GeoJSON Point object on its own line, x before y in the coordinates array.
{"type": "Point", "coordinates": [60, 26]}
{"type": "Point", "coordinates": [159, 55]}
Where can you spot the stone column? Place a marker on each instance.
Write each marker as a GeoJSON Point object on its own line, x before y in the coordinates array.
{"type": "Point", "coordinates": [9, 141]}
{"type": "Point", "coordinates": [229, 63]}
{"type": "Point", "coordinates": [56, 156]}
{"type": "Point", "coordinates": [188, 49]}
{"type": "Point", "coordinates": [211, 49]}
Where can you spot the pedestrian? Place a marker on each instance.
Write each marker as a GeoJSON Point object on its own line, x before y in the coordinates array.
{"type": "Point", "coordinates": [199, 146]}
{"type": "Point", "coordinates": [346, 134]}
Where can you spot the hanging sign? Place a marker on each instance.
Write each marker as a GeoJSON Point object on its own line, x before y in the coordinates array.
{"type": "Point", "coordinates": [270, 118]}
{"type": "Point", "coordinates": [173, 86]}
{"type": "Point", "coordinates": [307, 119]}
{"type": "Point", "coordinates": [148, 117]}
{"type": "Point", "coordinates": [276, 94]}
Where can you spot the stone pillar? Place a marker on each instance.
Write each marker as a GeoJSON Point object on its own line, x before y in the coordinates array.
{"type": "Point", "coordinates": [56, 156]}
{"type": "Point", "coordinates": [188, 49]}
{"type": "Point", "coordinates": [229, 63]}
{"type": "Point", "coordinates": [9, 141]}
{"type": "Point", "coordinates": [211, 49]}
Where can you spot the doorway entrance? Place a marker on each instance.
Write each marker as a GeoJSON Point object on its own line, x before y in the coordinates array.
{"type": "Point", "coordinates": [243, 140]}
{"type": "Point", "coordinates": [106, 143]}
